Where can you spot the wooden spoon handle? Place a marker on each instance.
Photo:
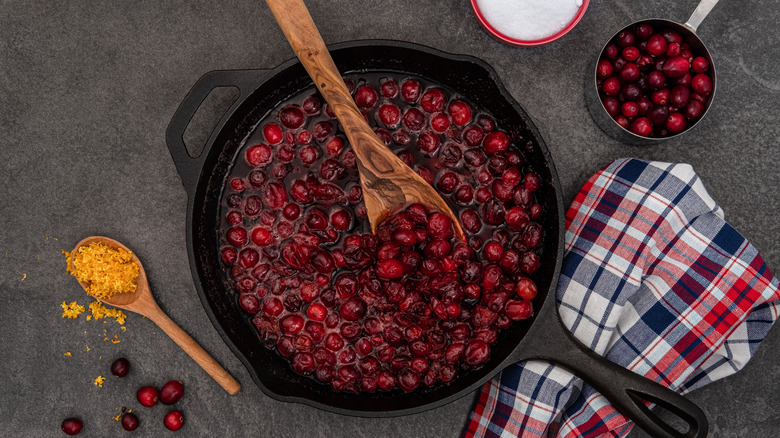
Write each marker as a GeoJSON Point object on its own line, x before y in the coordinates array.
{"type": "Point", "coordinates": [196, 352]}
{"type": "Point", "coordinates": [304, 38]}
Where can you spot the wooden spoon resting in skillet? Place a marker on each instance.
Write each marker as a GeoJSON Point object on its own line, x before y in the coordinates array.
{"type": "Point", "coordinates": [142, 302]}
{"type": "Point", "coordinates": [386, 180]}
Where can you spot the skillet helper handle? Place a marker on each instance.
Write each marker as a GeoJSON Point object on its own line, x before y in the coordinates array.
{"type": "Point", "coordinates": [195, 351]}
{"type": "Point", "coordinates": [624, 389]}
{"type": "Point", "coordinates": [189, 167]}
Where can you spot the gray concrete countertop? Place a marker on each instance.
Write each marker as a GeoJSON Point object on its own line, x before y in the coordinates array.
{"type": "Point", "coordinates": [87, 89]}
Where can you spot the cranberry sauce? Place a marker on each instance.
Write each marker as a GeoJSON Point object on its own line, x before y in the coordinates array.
{"type": "Point", "coordinates": [409, 306]}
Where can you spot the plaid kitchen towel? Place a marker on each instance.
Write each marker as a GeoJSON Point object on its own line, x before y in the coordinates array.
{"type": "Point", "coordinates": [655, 280]}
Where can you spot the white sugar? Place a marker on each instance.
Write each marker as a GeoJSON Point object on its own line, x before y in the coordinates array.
{"type": "Point", "coordinates": [529, 20]}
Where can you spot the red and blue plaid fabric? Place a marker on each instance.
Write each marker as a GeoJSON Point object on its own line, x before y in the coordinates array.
{"type": "Point", "coordinates": [655, 280]}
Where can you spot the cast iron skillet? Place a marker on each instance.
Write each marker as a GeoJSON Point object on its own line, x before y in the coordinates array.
{"type": "Point", "coordinates": [543, 337]}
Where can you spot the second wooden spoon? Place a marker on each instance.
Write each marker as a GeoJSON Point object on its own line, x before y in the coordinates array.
{"type": "Point", "coordinates": [386, 180]}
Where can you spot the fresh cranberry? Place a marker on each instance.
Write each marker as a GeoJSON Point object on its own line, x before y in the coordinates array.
{"type": "Point", "coordinates": [701, 84]}
{"type": "Point", "coordinates": [676, 67]}
{"type": "Point", "coordinates": [622, 121]}
{"type": "Point", "coordinates": [120, 367]}
{"type": "Point", "coordinates": [693, 110]}
{"type": "Point", "coordinates": [673, 49]}
{"type": "Point", "coordinates": [147, 396]}
{"type": "Point", "coordinates": [631, 92]}
{"type": "Point", "coordinates": [625, 38]}
{"type": "Point", "coordinates": [700, 65]}
{"type": "Point", "coordinates": [642, 126]}
{"type": "Point", "coordinates": [129, 421]}
{"type": "Point", "coordinates": [611, 86]}
{"type": "Point", "coordinates": [72, 426]}
{"type": "Point", "coordinates": [661, 97]}
{"type": "Point", "coordinates": [611, 51]}
{"type": "Point", "coordinates": [612, 105]}
{"type": "Point", "coordinates": [676, 123]}
{"type": "Point", "coordinates": [656, 45]}
{"type": "Point", "coordinates": [171, 392]}
{"type": "Point", "coordinates": [174, 420]}
{"type": "Point", "coordinates": [603, 69]}
{"type": "Point", "coordinates": [629, 109]}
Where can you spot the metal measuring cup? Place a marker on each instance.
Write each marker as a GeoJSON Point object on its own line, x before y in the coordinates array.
{"type": "Point", "coordinates": [688, 33]}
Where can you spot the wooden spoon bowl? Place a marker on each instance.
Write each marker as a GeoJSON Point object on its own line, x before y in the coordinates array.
{"type": "Point", "coordinates": [142, 302]}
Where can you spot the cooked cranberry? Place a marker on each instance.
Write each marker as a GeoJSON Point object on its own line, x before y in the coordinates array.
{"type": "Point", "coordinates": [389, 114]}
{"type": "Point", "coordinates": [433, 100]}
{"type": "Point", "coordinates": [72, 426]}
{"type": "Point", "coordinates": [414, 119]}
{"type": "Point", "coordinates": [312, 105]}
{"type": "Point", "coordinates": [389, 269]}
{"type": "Point", "coordinates": [258, 155]}
{"type": "Point", "coordinates": [147, 396]}
{"type": "Point", "coordinates": [272, 133]}
{"type": "Point", "coordinates": [529, 263]}
{"type": "Point", "coordinates": [272, 307]}
{"type": "Point", "coordinates": [477, 352]}
{"type": "Point", "coordinates": [496, 142]}
{"type": "Point", "coordinates": [440, 122]}
{"type": "Point", "coordinates": [174, 420]}
{"type": "Point", "coordinates": [518, 310]}
{"type": "Point", "coordinates": [366, 96]}
{"type": "Point", "coordinates": [526, 289]}
{"type": "Point", "coordinates": [410, 90]}
{"type": "Point", "coordinates": [428, 142]}
{"type": "Point", "coordinates": [322, 130]}
{"type": "Point", "coordinates": [352, 309]}
{"type": "Point", "coordinates": [237, 236]}
{"type": "Point", "coordinates": [292, 117]}
{"type": "Point", "coordinates": [389, 88]}
{"type": "Point", "coordinates": [460, 112]}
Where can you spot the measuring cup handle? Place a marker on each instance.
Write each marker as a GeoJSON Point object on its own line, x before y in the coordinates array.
{"type": "Point", "coordinates": [701, 12]}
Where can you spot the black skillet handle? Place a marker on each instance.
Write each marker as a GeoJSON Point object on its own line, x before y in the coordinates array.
{"type": "Point", "coordinates": [189, 167]}
{"type": "Point", "coordinates": [626, 390]}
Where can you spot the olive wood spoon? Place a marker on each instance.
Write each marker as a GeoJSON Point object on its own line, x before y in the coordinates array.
{"type": "Point", "coordinates": [142, 302]}
{"type": "Point", "coordinates": [387, 182]}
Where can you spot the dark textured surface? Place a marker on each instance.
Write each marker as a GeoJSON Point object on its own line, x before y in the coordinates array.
{"type": "Point", "coordinates": [87, 89]}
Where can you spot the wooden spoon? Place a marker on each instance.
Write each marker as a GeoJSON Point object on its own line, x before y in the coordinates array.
{"type": "Point", "coordinates": [387, 181]}
{"type": "Point", "coordinates": [142, 302]}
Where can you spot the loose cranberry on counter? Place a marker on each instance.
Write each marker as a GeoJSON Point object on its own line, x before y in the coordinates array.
{"type": "Point", "coordinates": [174, 420]}
{"type": "Point", "coordinates": [171, 392]}
{"type": "Point", "coordinates": [72, 426]}
{"type": "Point", "coordinates": [129, 421]}
{"type": "Point", "coordinates": [120, 367]}
{"type": "Point", "coordinates": [147, 396]}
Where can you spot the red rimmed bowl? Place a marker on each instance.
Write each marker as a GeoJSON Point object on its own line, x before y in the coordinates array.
{"type": "Point", "coordinates": [491, 29]}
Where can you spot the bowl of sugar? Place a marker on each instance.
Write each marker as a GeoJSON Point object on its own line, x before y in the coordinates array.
{"type": "Point", "coordinates": [529, 22]}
